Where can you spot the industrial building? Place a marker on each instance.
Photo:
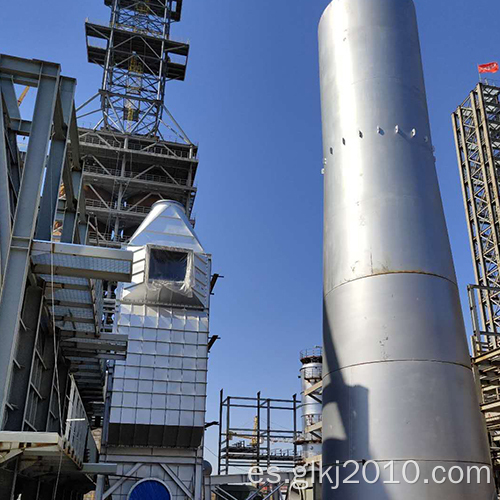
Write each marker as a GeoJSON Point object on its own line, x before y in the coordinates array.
{"type": "Point", "coordinates": [106, 287]}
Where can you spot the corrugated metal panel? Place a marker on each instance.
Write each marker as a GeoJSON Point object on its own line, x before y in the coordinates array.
{"type": "Point", "coordinates": [162, 384]}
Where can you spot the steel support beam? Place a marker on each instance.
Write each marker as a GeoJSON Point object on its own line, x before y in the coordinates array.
{"type": "Point", "coordinates": [75, 207]}
{"type": "Point", "coordinates": [5, 215]}
{"type": "Point", "coordinates": [14, 283]}
{"type": "Point", "coordinates": [9, 94]}
{"type": "Point", "coordinates": [57, 159]}
{"type": "Point", "coordinates": [88, 262]}
{"type": "Point", "coordinates": [19, 390]}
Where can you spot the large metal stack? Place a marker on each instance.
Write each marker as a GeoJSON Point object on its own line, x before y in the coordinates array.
{"type": "Point", "coordinates": [397, 380]}
{"type": "Point", "coordinates": [136, 153]}
{"type": "Point", "coordinates": [476, 124]}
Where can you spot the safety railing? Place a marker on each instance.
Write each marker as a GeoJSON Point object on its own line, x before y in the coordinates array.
{"type": "Point", "coordinates": [138, 209]}
{"type": "Point", "coordinates": [95, 169]}
{"type": "Point", "coordinates": [131, 24]}
{"type": "Point", "coordinates": [95, 237]}
{"type": "Point", "coordinates": [315, 352]}
{"type": "Point", "coordinates": [77, 430]}
{"type": "Point", "coordinates": [91, 137]}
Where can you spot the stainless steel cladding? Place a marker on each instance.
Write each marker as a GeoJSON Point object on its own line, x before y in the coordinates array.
{"type": "Point", "coordinates": [158, 394]}
{"type": "Point", "coordinates": [310, 374]}
{"type": "Point", "coordinates": [397, 379]}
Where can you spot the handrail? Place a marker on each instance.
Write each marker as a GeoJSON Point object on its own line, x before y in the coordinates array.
{"type": "Point", "coordinates": [114, 206]}
{"type": "Point", "coordinates": [77, 430]}
{"type": "Point", "coordinates": [314, 352]}
{"type": "Point", "coordinates": [134, 175]}
{"type": "Point", "coordinates": [158, 149]}
{"type": "Point", "coordinates": [132, 29]}
{"type": "Point", "coordinates": [94, 236]}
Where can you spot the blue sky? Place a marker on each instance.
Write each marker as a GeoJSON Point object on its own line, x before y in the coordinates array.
{"type": "Point", "coordinates": [251, 100]}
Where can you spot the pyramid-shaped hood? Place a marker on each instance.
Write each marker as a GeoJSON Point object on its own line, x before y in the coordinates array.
{"type": "Point", "coordinates": [170, 266]}
{"type": "Point", "coordinates": [167, 224]}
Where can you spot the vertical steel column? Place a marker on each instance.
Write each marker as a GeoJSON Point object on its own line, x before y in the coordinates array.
{"type": "Point", "coordinates": [15, 473]}
{"type": "Point", "coordinates": [295, 425]}
{"type": "Point", "coordinates": [258, 430]}
{"type": "Point", "coordinates": [5, 215]}
{"type": "Point", "coordinates": [57, 159]}
{"type": "Point", "coordinates": [228, 422]}
{"type": "Point", "coordinates": [69, 232]}
{"type": "Point", "coordinates": [75, 207]}
{"type": "Point", "coordinates": [16, 124]}
{"type": "Point", "coordinates": [268, 434]}
{"type": "Point", "coordinates": [14, 283]}
{"type": "Point", "coordinates": [24, 355]}
{"type": "Point", "coordinates": [43, 414]}
{"type": "Point", "coordinates": [221, 407]}
{"type": "Point", "coordinates": [119, 199]}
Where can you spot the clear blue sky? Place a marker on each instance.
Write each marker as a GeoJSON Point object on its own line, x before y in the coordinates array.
{"type": "Point", "coordinates": [251, 100]}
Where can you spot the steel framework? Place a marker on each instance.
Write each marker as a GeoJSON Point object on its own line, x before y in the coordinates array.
{"type": "Point", "coordinates": [51, 307]}
{"type": "Point", "coordinates": [137, 153]}
{"type": "Point", "coordinates": [261, 451]}
{"type": "Point", "coordinates": [138, 58]}
{"type": "Point", "coordinates": [476, 125]}
{"type": "Point", "coordinates": [477, 133]}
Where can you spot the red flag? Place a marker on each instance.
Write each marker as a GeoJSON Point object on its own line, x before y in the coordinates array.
{"type": "Point", "coordinates": [488, 68]}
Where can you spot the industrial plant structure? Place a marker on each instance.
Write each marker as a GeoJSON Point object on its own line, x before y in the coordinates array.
{"type": "Point", "coordinates": [105, 286]}
{"type": "Point", "coordinates": [155, 409]}
{"type": "Point", "coordinates": [54, 343]}
{"type": "Point", "coordinates": [476, 124]}
{"type": "Point", "coordinates": [136, 153]}
{"type": "Point", "coordinates": [266, 444]}
{"type": "Point", "coordinates": [62, 329]}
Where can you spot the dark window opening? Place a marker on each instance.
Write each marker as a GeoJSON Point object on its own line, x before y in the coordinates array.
{"type": "Point", "coordinates": [167, 265]}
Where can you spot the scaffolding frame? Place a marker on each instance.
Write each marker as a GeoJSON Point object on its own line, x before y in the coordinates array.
{"type": "Point", "coordinates": [476, 126]}
{"type": "Point", "coordinates": [261, 451]}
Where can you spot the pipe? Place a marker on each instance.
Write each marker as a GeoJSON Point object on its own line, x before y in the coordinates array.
{"type": "Point", "coordinates": [397, 379]}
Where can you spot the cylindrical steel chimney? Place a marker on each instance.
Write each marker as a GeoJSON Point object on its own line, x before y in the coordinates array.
{"type": "Point", "coordinates": [397, 379]}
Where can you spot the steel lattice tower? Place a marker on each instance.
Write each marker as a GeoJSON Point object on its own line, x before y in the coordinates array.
{"type": "Point", "coordinates": [138, 59]}
{"type": "Point", "coordinates": [477, 134]}
{"type": "Point", "coordinates": [136, 153]}
{"type": "Point", "coordinates": [476, 125]}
